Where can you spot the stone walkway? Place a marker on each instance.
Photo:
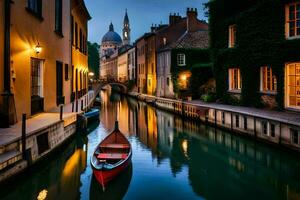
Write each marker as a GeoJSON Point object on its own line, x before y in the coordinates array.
{"type": "Point", "coordinates": [288, 117]}
{"type": "Point", "coordinates": [33, 125]}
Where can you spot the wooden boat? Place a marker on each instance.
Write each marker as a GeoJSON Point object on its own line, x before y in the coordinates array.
{"type": "Point", "coordinates": [93, 114]}
{"type": "Point", "coordinates": [111, 157]}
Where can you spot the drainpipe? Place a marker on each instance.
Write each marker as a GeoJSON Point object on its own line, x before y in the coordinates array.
{"type": "Point", "coordinates": [7, 95]}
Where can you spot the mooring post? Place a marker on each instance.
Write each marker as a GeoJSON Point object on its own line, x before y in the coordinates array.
{"type": "Point", "coordinates": [24, 136]}
{"type": "Point", "coordinates": [61, 112]}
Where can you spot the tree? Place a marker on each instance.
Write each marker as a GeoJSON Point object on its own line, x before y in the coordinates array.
{"type": "Point", "coordinates": [93, 58]}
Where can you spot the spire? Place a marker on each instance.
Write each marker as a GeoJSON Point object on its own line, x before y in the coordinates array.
{"type": "Point", "coordinates": [126, 18]}
{"type": "Point", "coordinates": [111, 27]}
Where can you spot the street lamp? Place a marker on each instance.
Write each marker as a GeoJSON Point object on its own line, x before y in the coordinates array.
{"type": "Point", "coordinates": [38, 48]}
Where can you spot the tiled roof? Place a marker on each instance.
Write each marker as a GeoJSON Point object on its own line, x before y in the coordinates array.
{"type": "Point", "coordinates": [192, 40]}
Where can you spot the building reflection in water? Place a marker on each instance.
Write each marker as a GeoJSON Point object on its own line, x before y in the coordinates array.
{"type": "Point", "coordinates": [216, 160]}
{"type": "Point", "coordinates": [59, 178]}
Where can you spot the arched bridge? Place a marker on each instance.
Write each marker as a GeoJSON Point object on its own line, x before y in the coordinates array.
{"type": "Point", "coordinates": [122, 86]}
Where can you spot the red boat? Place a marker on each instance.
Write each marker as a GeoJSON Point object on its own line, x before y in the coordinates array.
{"type": "Point", "coordinates": [111, 157]}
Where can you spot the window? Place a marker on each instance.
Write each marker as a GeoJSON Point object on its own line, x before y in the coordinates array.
{"type": "Point", "coordinates": [232, 36]}
{"type": "Point", "coordinates": [272, 130]}
{"type": "Point", "coordinates": [36, 77]}
{"type": "Point", "coordinates": [293, 85]}
{"type": "Point", "coordinates": [235, 81]}
{"type": "Point", "coordinates": [76, 35]}
{"type": "Point", "coordinates": [223, 117]}
{"type": "Point", "coordinates": [80, 40]}
{"type": "Point", "coordinates": [268, 81]}
{"type": "Point", "coordinates": [237, 121]}
{"type": "Point", "coordinates": [264, 128]}
{"type": "Point", "coordinates": [180, 59]}
{"type": "Point", "coordinates": [66, 72]}
{"type": "Point", "coordinates": [293, 20]}
{"type": "Point", "coordinates": [245, 123]}
{"type": "Point", "coordinates": [35, 6]}
{"type": "Point", "coordinates": [72, 30]}
{"type": "Point", "coordinates": [58, 16]}
{"type": "Point", "coordinates": [294, 136]}
{"type": "Point", "coordinates": [168, 81]}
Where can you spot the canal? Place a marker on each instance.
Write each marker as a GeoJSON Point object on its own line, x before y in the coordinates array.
{"type": "Point", "coordinates": [172, 159]}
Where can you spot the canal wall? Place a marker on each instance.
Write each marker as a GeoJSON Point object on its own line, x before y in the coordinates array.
{"type": "Point", "coordinates": [279, 128]}
{"type": "Point", "coordinates": [43, 134]}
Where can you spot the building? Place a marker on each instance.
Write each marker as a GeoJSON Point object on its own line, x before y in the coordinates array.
{"type": "Point", "coordinates": [178, 54]}
{"type": "Point", "coordinates": [123, 63]}
{"type": "Point", "coordinates": [36, 55]}
{"type": "Point", "coordinates": [132, 64]}
{"type": "Point", "coordinates": [254, 52]}
{"type": "Point", "coordinates": [77, 74]}
{"type": "Point", "coordinates": [151, 63]}
{"type": "Point", "coordinates": [109, 49]}
{"type": "Point", "coordinates": [141, 64]}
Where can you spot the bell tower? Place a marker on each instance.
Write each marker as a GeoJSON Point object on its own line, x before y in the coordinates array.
{"type": "Point", "coordinates": [126, 29]}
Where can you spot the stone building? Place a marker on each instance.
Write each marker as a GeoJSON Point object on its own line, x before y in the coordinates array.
{"type": "Point", "coordinates": [109, 50]}
{"type": "Point", "coordinates": [183, 33]}
{"type": "Point", "coordinates": [123, 63]}
{"type": "Point", "coordinates": [36, 65]}
{"type": "Point", "coordinates": [141, 64]}
{"type": "Point", "coordinates": [132, 64]}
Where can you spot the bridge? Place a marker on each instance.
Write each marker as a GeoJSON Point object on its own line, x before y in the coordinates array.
{"type": "Point", "coordinates": [99, 85]}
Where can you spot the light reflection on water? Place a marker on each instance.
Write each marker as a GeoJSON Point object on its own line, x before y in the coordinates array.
{"type": "Point", "coordinates": [172, 159]}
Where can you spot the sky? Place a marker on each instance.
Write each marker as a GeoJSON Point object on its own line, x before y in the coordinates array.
{"type": "Point", "coordinates": [142, 13]}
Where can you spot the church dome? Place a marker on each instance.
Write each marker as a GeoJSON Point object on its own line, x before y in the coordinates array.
{"type": "Point", "coordinates": [111, 36]}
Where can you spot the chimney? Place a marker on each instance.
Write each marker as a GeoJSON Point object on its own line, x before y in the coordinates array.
{"type": "Point", "coordinates": [191, 16]}
{"type": "Point", "coordinates": [174, 18]}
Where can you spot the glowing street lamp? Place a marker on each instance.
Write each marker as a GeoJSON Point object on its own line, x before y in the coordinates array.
{"type": "Point", "coordinates": [183, 77]}
{"type": "Point", "coordinates": [38, 48]}
{"type": "Point", "coordinates": [91, 74]}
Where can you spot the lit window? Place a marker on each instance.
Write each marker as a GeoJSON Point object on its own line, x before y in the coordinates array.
{"type": "Point", "coordinates": [235, 81]}
{"type": "Point", "coordinates": [180, 59]}
{"type": "Point", "coordinates": [232, 36]}
{"type": "Point", "coordinates": [293, 20]}
{"type": "Point", "coordinates": [293, 85]}
{"type": "Point", "coordinates": [268, 82]}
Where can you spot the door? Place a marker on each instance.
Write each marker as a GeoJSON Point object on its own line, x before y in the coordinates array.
{"type": "Point", "coordinates": [59, 83]}
{"type": "Point", "coordinates": [37, 100]}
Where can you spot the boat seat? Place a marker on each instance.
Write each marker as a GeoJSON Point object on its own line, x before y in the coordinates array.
{"type": "Point", "coordinates": [115, 146]}
{"type": "Point", "coordinates": [112, 156]}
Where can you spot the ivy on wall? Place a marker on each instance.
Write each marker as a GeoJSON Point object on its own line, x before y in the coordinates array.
{"type": "Point", "coordinates": [260, 40]}
{"type": "Point", "coordinates": [200, 74]}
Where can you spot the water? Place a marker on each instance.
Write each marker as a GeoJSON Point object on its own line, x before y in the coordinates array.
{"type": "Point", "coordinates": [172, 159]}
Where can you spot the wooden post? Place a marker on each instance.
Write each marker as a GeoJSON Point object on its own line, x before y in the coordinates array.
{"type": "Point", "coordinates": [24, 136]}
{"type": "Point", "coordinates": [61, 112]}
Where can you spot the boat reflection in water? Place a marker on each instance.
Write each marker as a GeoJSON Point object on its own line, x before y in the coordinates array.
{"type": "Point", "coordinates": [116, 189]}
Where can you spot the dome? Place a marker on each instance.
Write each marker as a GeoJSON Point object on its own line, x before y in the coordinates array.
{"type": "Point", "coordinates": [112, 36]}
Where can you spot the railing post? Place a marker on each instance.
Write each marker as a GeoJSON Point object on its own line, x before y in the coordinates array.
{"type": "Point", "coordinates": [24, 136]}
{"type": "Point", "coordinates": [61, 112]}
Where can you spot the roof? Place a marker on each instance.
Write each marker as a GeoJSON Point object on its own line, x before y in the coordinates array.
{"type": "Point", "coordinates": [190, 40]}
{"type": "Point", "coordinates": [84, 9]}
{"type": "Point", "coordinates": [112, 36]}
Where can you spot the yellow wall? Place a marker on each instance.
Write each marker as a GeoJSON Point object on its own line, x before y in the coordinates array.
{"type": "Point", "coordinates": [79, 59]}
{"type": "Point", "coordinates": [1, 47]}
{"type": "Point", "coordinates": [26, 31]}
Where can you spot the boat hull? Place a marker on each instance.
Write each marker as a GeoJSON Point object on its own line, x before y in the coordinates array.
{"type": "Point", "coordinates": [104, 176]}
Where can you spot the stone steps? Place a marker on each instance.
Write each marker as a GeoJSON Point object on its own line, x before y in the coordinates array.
{"type": "Point", "coordinates": [9, 158]}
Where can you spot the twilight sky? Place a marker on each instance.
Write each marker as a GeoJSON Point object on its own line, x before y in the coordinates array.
{"type": "Point", "coordinates": [142, 13]}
